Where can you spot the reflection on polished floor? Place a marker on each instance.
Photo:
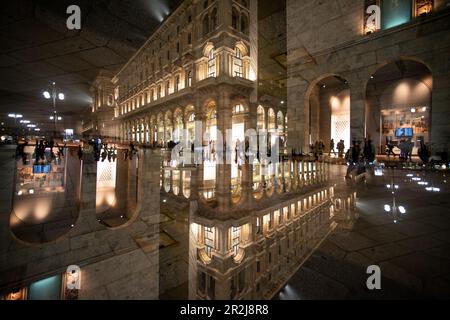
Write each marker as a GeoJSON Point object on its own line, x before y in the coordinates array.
{"type": "Point", "coordinates": [412, 250]}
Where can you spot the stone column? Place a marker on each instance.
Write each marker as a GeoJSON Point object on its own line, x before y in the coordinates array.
{"type": "Point", "coordinates": [247, 167]}
{"type": "Point", "coordinates": [132, 180]}
{"type": "Point", "coordinates": [148, 183]}
{"type": "Point", "coordinates": [298, 120]}
{"type": "Point", "coordinates": [87, 221]}
{"type": "Point", "coordinates": [223, 170]}
{"type": "Point", "coordinates": [357, 110]}
{"type": "Point", "coordinates": [122, 181]}
{"type": "Point", "coordinates": [7, 178]}
{"type": "Point", "coordinates": [440, 128]}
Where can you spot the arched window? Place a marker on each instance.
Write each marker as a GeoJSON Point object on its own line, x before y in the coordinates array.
{"type": "Point", "coordinates": [271, 119]}
{"type": "Point", "coordinates": [214, 19]}
{"type": "Point", "coordinates": [205, 4]}
{"type": "Point", "coordinates": [234, 18]}
{"type": "Point", "coordinates": [239, 108]}
{"type": "Point", "coordinates": [159, 91]}
{"type": "Point", "coordinates": [211, 64]}
{"type": "Point", "coordinates": [205, 25]}
{"type": "Point", "coordinates": [167, 88]}
{"type": "Point", "coordinates": [189, 79]}
{"type": "Point", "coordinates": [177, 83]}
{"type": "Point", "coordinates": [244, 24]}
{"type": "Point", "coordinates": [280, 121]}
{"type": "Point", "coordinates": [238, 69]}
{"type": "Point", "coordinates": [152, 95]}
{"type": "Point", "coordinates": [260, 118]}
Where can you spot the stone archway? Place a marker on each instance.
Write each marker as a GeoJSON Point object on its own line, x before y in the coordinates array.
{"type": "Point", "coordinates": [398, 104]}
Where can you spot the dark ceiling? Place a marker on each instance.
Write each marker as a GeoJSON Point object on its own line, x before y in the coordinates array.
{"type": "Point", "coordinates": [36, 48]}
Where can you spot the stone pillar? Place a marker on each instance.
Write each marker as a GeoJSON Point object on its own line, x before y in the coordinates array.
{"type": "Point", "coordinates": [247, 167]}
{"type": "Point", "coordinates": [87, 221]}
{"type": "Point", "coordinates": [440, 128]}
{"type": "Point", "coordinates": [132, 183]}
{"type": "Point", "coordinates": [223, 170]}
{"type": "Point", "coordinates": [122, 181]}
{"type": "Point", "coordinates": [7, 178]}
{"type": "Point", "coordinates": [298, 119]}
{"type": "Point", "coordinates": [148, 183]}
{"type": "Point", "coordinates": [357, 110]}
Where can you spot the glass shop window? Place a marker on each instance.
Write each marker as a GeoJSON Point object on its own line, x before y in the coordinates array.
{"type": "Point", "coordinates": [46, 289]}
{"type": "Point", "coordinates": [395, 12]}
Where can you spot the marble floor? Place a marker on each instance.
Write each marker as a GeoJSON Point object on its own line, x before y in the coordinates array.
{"type": "Point", "coordinates": [412, 250]}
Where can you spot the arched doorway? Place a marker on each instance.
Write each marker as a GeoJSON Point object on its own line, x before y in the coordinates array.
{"type": "Point", "coordinates": [398, 104]}
{"type": "Point", "coordinates": [329, 111]}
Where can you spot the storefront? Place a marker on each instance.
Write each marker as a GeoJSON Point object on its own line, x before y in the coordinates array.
{"type": "Point", "coordinates": [405, 123]}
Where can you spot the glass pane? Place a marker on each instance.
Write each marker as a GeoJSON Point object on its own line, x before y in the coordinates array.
{"type": "Point", "coordinates": [395, 12]}
{"type": "Point", "coordinates": [46, 289]}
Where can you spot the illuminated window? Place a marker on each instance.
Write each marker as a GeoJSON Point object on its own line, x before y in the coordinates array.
{"type": "Point", "coordinates": [189, 79]}
{"type": "Point", "coordinates": [260, 116]}
{"type": "Point", "coordinates": [209, 240]}
{"type": "Point", "coordinates": [167, 88]}
{"type": "Point", "coordinates": [177, 83]}
{"type": "Point", "coordinates": [238, 69]}
{"type": "Point", "coordinates": [270, 222]}
{"type": "Point", "coordinates": [258, 226]}
{"type": "Point", "coordinates": [236, 238]}
{"type": "Point", "coordinates": [395, 13]}
{"type": "Point", "coordinates": [239, 108]}
{"type": "Point", "coordinates": [211, 64]}
{"type": "Point", "coordinates": [423, 7]}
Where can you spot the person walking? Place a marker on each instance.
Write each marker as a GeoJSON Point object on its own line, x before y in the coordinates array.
{"type": "Point", "coordinates": [332, 148]}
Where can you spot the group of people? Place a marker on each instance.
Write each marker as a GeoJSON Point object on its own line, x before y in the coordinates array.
{"type": "Point", "coordinates": [406, 150]}
{"type": "Point", "coordinates": [43, 151]}
{"type": "Point", "coordinates": [101, 150]}
{"type": "Point", "coordinates": [358, 157]}
{"type": "Point", "coordinates": [340, 148]}
{"type": "Point", "coordinates": [42, 145]}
